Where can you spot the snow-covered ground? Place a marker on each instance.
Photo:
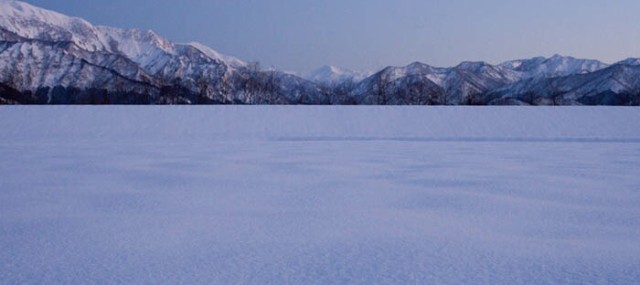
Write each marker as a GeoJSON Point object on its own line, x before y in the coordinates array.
{"type": "Point", "coordinates": [319, 195]}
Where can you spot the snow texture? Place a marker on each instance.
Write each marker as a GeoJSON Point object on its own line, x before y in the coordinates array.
{"type": "Point", "coordinates": [319, 195]}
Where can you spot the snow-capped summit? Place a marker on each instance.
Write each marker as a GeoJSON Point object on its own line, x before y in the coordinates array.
{"type": "Point", "coordinates": [436, 85]}
{"type": "Point", "coordinates": [32, 22]}
{"type": "Point", "coordinates": [630, 61]}
{"type": "Point", "coordinates": [62, 59]}
{"type": "Point", "coordinates": [143, 47]}
{"type": "Point", "coordinates": [618, 84]}
{"type": "Point", "coordinates": [329, 74]}
{"type": "Point", "coordinates": [37, 43]}
{"type": "Point", "coordinates": [554, 66]}
{"type": "Point", "coordinates": [36, 23]}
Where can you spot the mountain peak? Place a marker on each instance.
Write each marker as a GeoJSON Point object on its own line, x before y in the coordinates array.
{"type": "Point", "coordinates": [416, 63]}
{"type": "Point", "coordinates": [471, 64]}
{"type": "Point", "coordinates": [141, 46]}
{"type": "Point", "coordinates": [630, 61]}
{"type": "Point", "coordinates": [42, 50]}
{"type": "Point", "coordinates": [554, 66]}
{"type": "Point", "coordinates": [20, 11]}
{"type": "Point", "coordinates": [333, 75]}
{"type": "Point", "coordinates": [331, 68]}
{"type": "Point", "coordinates": [559, 57]}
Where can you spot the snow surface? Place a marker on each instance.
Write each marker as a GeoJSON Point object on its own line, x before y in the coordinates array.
{"type": "Point", "coordinates": [319, 195]}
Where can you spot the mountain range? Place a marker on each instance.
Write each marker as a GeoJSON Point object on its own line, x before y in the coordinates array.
{"type": "Point", "coordinates": [50, 58]}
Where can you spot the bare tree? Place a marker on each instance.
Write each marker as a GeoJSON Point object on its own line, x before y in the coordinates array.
{"type": "Point", "coordinates": [270, 87]}
{"type": "Point", "coordinates": [203, 88]}
{"type": "Point", "coordinates": [340, 93]}
{"type": "Point", "coordinates": [382, 89]}
{"type": "Point", "coordinates": [444, 100]}
{"type": "Point", "coordinates": [252, 87]}
{"type": "Point", "coordinates": [419, 92]}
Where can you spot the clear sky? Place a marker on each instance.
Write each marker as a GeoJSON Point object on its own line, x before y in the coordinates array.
{"type": "Point", "coordinates": [300, 35]}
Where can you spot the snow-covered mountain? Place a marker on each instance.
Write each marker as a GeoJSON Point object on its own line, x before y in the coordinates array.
{"type": "Point", "coordinates": [49, 58]}
{"type": "Point", "coordinates": [143, 47]}
{"type": "Point", "coordinates": [335, 75]}
{"type": "Point", "coordinates": [568, 80]}
{"type": "Point", "coordinates": [43, 51]}
{"type": "Point", "coordinates": [554, 66]}
{"type": "Point", "coordinates": [618, 84]}
{"type": "Point", "coordinates": [630, 61]}
{"type": "Point", "coordinates": [433, 85]}
{"type": "Point", "coordinates": [410, 85]}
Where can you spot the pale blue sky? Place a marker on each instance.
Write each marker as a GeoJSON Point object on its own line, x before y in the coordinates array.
{"type": "Point", "coordinates": [303, 34]}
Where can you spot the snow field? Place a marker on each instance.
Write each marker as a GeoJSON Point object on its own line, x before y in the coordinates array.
{"type": "Point", "coordinates": [319, 195]}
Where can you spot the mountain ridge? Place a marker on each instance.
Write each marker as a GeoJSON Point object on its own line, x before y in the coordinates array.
{"type": "Point", "coordinates": [50, 58]}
